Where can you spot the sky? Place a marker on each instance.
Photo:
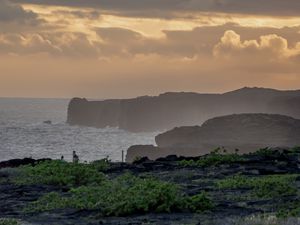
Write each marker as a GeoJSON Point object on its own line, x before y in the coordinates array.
{"type": "Point", "coordinates": [127, 48]}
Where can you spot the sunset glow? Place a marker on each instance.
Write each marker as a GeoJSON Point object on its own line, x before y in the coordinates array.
{"type": "Point", "coordinates": [106, 46]}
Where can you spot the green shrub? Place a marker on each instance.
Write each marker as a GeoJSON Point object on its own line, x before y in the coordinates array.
{"type": "Point", "coordinates": [125, 195]}
{"type": "Point", "coordinates": [295, 150]}
{"type": "Point", "coordinates": [215, 158]}
{"type": "Point", "coordinates": [101, 165]}
{"type": "Point", "coordinates": [60, 173]}
{"type": "Point", "coordinates": [199, 203]}
{"type": "Point", "coordinates": [289, 209]}
{"type": "Point", "coordinates": [265, 152]}
{"type": "Point", "coordinates": [4, 221]}
{"type": "Point", "coordinates": [262, 187]}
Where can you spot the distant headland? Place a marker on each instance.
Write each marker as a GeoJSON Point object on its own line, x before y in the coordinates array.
{"type": "Point", "coordinates": [169, 110]}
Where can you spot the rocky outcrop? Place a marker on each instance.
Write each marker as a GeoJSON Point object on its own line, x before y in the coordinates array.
{"type": "Point", "coordinates": [93, 113]}
{"type": "Point", "coordinates": [169, 110]}
{"type": "Point", "coordinates": [246, 132]}
{"type": "Point", "coordinates": [20, 162]}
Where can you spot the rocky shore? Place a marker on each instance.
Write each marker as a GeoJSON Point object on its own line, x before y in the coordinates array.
{"type": "Point", "coordinates": [240, 187]}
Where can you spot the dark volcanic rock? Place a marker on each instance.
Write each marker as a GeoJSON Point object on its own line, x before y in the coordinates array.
{"type": "Point", "coordinates": [229, 203]}
{"type": "Point", "coordinates": [20, 162]}
{"type": "Point", "coordinates": [246, 132]}
{"type": "Point", "coordinates": [169, 110]}
{"type": "Point", "coordinates": [152, 152]}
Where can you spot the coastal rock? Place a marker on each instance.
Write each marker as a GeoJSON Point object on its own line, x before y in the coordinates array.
{"type": "Point", "coordinates": [92, 113]}
{"type": "Point", "coordinates": [20, 162]}
{"type": "Point", "coordinates": [152, 152]}
{"type": "Point", "coordinates": [169, 110]}
{"type": "Point", "coordinates": [243, 132]}
{"type": "Point", "coordinates": [49, 122]}
{"type": "Point", "coordinates": [136, 152]}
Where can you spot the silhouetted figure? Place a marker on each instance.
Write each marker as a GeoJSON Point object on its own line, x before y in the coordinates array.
{"type": "Point", "coordinates": [75, 157]}
{"type": "Point", "coordinates": [62, 158]}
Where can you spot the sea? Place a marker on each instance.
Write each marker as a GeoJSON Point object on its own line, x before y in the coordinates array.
{"type": "Point", "coordinates": [23, 133]}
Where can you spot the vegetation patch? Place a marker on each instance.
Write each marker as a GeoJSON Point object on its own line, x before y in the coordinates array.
{"type": "Point", "coordinates": [295, 151]}
{"type": "Point", "coordinates": [264, 152]}
{"type": "Point", "coordinates": [61, 173]}
{"type": "Point", "coordinates": [215, 158]}
{"type": "Point", "coordinates": [125, 195]}
{"type": "Point", "coordinates": [289, 209]}
{"type": "Point", "coordinates": [270, 186]}
{"type": "Point", "coordinates": [4, 221]}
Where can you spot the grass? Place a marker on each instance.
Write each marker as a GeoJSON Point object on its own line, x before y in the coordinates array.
{"type": "Point", "coordinates": [123, 196]}
{"type": "Point", "coordinates": [215, 158]}
{"type": "Point", "coordinates": [61, 173]}
{"type": "Point", "coordinates": [271, 186]}
{"type": "Point", "coordinates": [4, 221]}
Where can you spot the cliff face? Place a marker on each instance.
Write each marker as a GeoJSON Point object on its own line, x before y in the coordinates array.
{"type": "Point", "coordinates": [246, 132]}
{"type": "Point", "coordinates": [169, 110]}
{"type": "Point", "coordinates": [264, 130]}
{"type": "Point", "coordinates": [94, 113]}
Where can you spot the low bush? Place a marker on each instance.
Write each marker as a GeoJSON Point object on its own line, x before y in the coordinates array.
{"type": "Point", "coordinates": [264, 152]}
{"type": "Point", "coordinates": [270, 186]}
{"type": "Point", "coordinates": [4, 221]}
{"type": "Point", "coordinates": [125, 195]}
{"type": "Point", "coordinates": [289, 209]}
{"type": "Point", "coordinates": [295, 150]}
{"type": "Point", "coordinates": [215, 158]}
{"type": "Point", "coordinates": [199, 203]}
{"type": "Point", "coordinates": [60, 173]}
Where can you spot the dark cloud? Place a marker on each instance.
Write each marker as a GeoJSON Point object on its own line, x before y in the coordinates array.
{"type": "Point", "coordinates": [14, 13]}
{"type": "Point", "coordinates": [92, 15]}
{"type": "Point", "coordinates": [170, 8]}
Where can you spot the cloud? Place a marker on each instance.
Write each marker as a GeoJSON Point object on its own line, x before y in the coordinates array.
{"type": "Point", "coordinates": [193, 43]}
{"type": "Point", "coordinates": [72, 45]}
{"type": "Point", "coordinates": [171, 8]}
{"type": "Point", "coordinates": [227, 41]}
{"type": "Point", "coordinates": [268, 48]}
{"type": "Point", "coordinates": [16, 44]}
{"type": "Point", "coordinates": [14, 13]}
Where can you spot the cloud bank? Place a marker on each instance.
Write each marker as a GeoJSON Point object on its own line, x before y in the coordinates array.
{"type": "Point", "coordinates": [171, 8]}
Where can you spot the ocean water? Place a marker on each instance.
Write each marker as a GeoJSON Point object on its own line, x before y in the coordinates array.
{"type": "Point", "coordinates": [23, 133]}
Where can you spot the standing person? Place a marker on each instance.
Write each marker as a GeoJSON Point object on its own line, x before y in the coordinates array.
{"type": "Point", "coordinates": [75, 157]}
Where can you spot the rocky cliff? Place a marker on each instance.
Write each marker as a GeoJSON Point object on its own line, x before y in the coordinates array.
{"type": "Point", "coordinates": [169, 110]}
{"type": "Point", "coordinates": [246, 132]}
